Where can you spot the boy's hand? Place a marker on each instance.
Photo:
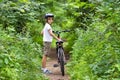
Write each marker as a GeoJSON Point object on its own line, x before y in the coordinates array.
{"type": "Point", "coordinates": [59, 39]}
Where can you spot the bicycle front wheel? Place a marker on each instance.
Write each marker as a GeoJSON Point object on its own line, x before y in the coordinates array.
{"type": "Point", "coordinates": [61, 60]}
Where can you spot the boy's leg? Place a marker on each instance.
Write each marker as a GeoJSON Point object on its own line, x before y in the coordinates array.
{"type": "Point", "coordinates": [46, 51]}
{"type": "Point", "coordinates": [44, 59]}
{"type": "Point", "coordinates": [45, 54]}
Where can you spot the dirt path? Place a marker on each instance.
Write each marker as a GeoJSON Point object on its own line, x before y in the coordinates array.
{"type": "Point", "coordinates": [56, 74]}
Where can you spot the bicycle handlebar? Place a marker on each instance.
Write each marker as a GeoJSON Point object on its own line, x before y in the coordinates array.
{"type": "Point", "coordinates": [58, 32]}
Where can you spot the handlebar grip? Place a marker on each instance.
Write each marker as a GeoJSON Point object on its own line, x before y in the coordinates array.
{"type": "Point", "coordinates": [53, 31]}
{"type": "Point", "coordinates": [67, 30]}
{"type": "Point", "coordinates": [58, 32]}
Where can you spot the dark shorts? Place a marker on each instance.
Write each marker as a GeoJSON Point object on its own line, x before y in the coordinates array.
{"type": "Point", "coordinates": [46, 48]}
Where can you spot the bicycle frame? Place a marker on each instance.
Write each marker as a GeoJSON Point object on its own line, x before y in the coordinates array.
{"type": "Point", "coordinates": [60, 54]}
{"type": "Point", "coordinates": [59, 44]}
{"type": "Point", "coordinates": [60, 51]}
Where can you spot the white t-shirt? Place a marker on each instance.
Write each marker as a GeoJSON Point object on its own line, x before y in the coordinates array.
{"type": "Point", "coordinates": [46, 35]}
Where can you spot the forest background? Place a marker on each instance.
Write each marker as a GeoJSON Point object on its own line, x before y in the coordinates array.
{"type": "Point", "coordinates": [93, 43]}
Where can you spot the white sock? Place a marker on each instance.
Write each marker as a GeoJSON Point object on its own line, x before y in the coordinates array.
{"type": "Point", "coordinates": [42, 68]}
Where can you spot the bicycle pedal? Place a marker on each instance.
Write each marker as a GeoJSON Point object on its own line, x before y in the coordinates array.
{"type": "Point", "coordinates": [55, 65]}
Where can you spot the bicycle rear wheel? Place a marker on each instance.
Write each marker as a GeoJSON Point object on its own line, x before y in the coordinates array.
{"type": "Point", "coordinates": [61, 60]}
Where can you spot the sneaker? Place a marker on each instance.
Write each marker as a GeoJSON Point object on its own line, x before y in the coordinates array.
{"type": "Point", "coordinates": [47, 71]}
{"type": "Point", "coordinates": [55, 65]}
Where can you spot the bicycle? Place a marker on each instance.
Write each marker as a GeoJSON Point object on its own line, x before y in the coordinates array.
{"type": "Point", "coordinates": [60, 51]}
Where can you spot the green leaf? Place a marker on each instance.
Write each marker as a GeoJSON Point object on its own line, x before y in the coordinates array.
{"type": "Point", "coordinates": [1, 63]}
{"type": "Point", "coordinates": [1, 0]}
{"type": "Point", "coordinates": [6, 60]}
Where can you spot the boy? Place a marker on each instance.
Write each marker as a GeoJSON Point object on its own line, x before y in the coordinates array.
{"type": "Point", "coordinates": [48, 35]}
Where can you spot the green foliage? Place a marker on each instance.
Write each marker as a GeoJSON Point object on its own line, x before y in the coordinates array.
{"type": "Point", "coordinates": [34, 30]}
{"type": "Point", "coordinates": [95, 57]}
{"type": "Point", "coordinates": [95, 54]}
{"type": "Point", "coordinates": [79, 16]}
{"type": "Point", "coordinates": [80, 12]}
{"type": "Point", "coordinates": [18, 13]}
{"type": "Point", "coordinates": [94, 41]}
{"type": "Point", "coordinates": [19, 57]}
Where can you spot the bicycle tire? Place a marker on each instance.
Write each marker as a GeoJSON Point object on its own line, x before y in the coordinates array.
{"type": "Point", "coordinates": [61, 60]}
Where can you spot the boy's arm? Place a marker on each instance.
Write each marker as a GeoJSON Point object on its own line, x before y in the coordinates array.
{"type": "Point", "coordinates": [52, 34]}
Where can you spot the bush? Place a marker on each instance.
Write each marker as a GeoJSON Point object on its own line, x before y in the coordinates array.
{"type": "Point", "coordinates": [19, 57]}
{"type": "Point", "coordinates": [94, 56]}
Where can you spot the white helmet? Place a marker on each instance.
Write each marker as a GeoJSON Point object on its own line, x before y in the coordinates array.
{"type": "Point", "coordinates": [48, 15]}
